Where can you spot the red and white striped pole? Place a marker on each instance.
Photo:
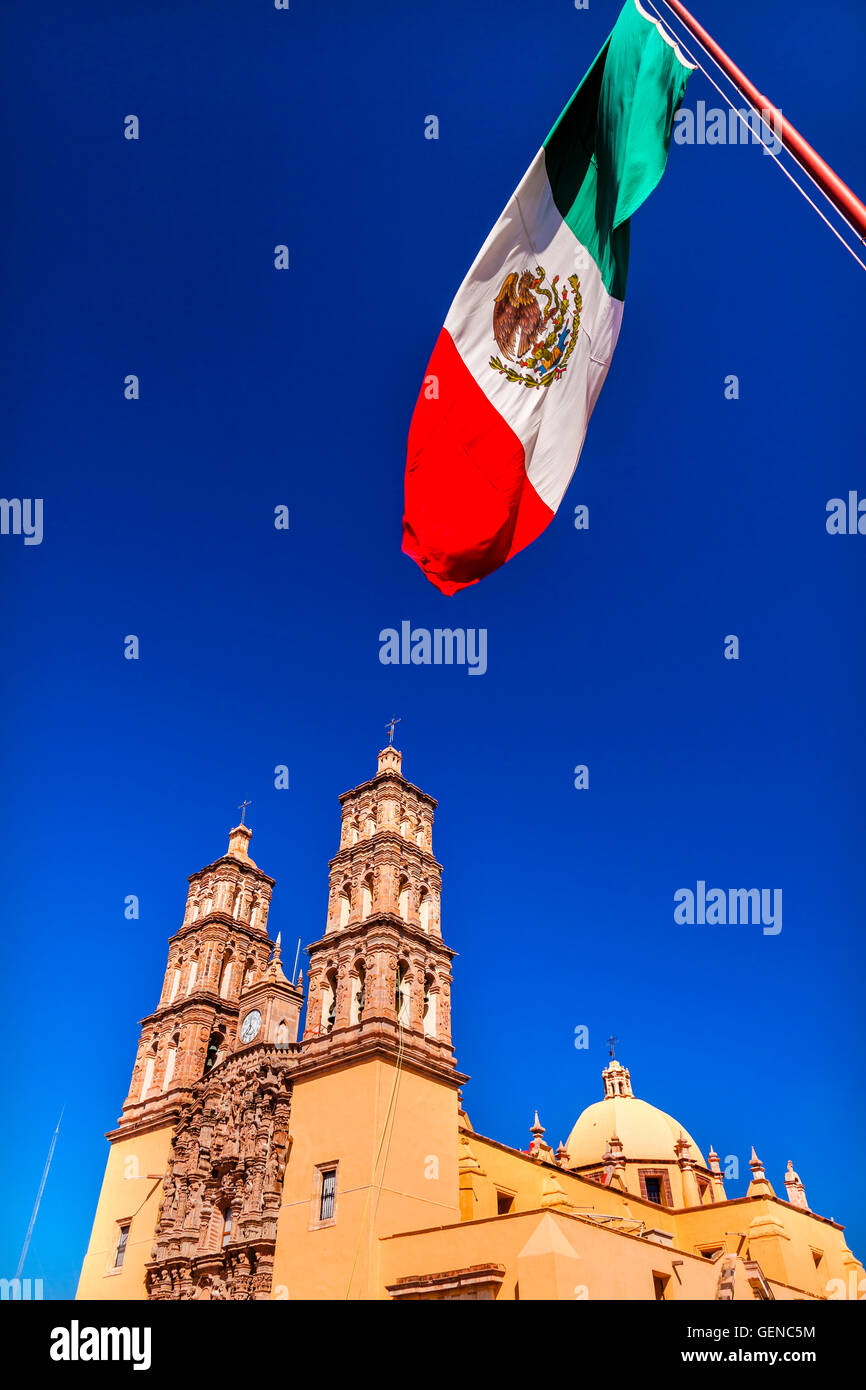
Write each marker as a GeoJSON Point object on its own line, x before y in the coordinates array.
{"type": "Point", "coordinates": [838, 192]}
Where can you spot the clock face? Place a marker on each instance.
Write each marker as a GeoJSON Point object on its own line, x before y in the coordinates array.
{"type": "Point", "coordinates": [251, 1025]}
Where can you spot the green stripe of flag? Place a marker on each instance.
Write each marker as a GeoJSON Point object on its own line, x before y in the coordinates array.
{"type": "Point", "coordinates": [608, 149]}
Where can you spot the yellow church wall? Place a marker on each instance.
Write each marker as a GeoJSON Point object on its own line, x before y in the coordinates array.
{"type": "Point", "coordinates": [127, 1194]}
{"type": "Point", "coordinates": [550, 1255]}
{"type": "Point", "coordinates": [787, 1256]}
{"type": "Point", "coordinates": [339, 1118]}
{"type": "Point", "coordinates": [788, 1262]}
{"type": "Point", "coordinates": [509, 1171]}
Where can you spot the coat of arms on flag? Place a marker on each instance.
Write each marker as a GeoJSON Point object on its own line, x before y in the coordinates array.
{"type": "Point", "coordinates": [520, 326]}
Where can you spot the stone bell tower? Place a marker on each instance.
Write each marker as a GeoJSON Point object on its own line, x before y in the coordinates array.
{"type": "Point", "coordinates": [375, 1091]}
{"type": "Point", "coordinates": [381, 974]}
{"type": "Point", "coordinates": [220, 949]}
{"type": "Point", "coordinates": [191, 1189]}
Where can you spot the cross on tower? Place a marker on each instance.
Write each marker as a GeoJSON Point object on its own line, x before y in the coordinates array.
{"type": "Point", "coordinates": [243, 809]}
{"type": "Point", "coordinates": [390, 727]}
{"type": "Point", "coordinates": [611, 1045]}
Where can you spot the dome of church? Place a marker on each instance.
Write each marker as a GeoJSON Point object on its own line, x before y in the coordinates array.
{"type": "Point", "coordinates": [646, 1132]}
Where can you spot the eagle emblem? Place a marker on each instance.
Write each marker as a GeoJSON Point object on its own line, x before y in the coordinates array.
{"type": "Point", "coordinates": [535, 324]}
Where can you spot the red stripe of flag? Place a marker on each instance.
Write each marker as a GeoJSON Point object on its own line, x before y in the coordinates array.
{"type": "Point", "coordinates": [469, 504]}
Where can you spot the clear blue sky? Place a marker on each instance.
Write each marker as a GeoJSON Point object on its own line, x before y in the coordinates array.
{"type": "Point", "coordinates": [261, 647]}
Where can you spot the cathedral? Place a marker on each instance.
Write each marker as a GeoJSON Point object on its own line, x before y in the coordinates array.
{"type": "Point", "coordinates": [256, 1159]}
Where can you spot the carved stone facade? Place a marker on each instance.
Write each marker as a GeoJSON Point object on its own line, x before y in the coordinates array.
{"type": "Point", "coordinates": [248, 1165]}
{"type": "Point", "coordinates": [217, 1226]}
{"type": "Point", "coordinates": [218, 1057]}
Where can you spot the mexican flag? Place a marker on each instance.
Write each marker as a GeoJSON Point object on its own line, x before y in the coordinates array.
{"type": "Point", "coordinates": [517, 368]}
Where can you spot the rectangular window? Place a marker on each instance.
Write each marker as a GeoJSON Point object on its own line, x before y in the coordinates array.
{"type": "Point", "coordinates": [120, 1250]}
{"type": "Point", "coordinates": [660, 1285]}
{"type": "Point", "coordinates": [227, 1227]}
{"type": "Point", "coordinates": [329, 1188]}
{"type": "Point", "coordinates": [654, 1190]}
{"type": "Point", "coordinates": [504, 1203]}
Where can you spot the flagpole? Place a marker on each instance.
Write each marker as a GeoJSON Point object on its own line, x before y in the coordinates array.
{"type": "Point", "coordinates": [839, 194]}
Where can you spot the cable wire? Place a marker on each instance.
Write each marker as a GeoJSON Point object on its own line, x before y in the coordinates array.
{"type": "Point", "coordinates": [770, 151]}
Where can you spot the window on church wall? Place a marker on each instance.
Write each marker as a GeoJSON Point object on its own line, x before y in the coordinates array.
{"type": "Point", "coordinates": [121, 1243]}
{"type": "Point", "coordinates": [366, 898]}
{"type": "Point", "coordinates": [424, 910]}
{"type": "Point", "coordinates": [345, 907]}
{"type": "Point", "coordinates": [329, 1003]}
{"type": "Point", "coordinates": [226, 976]}
{"type": "Point", "coordinates": [215, 1042]}
{"type": "Point", "coordinates": [175, 981]}
{"type": "Point", "coordinates": [406, 828]}
{"type": "Point", "coordinates": [328, 1194]}
{"type": "Point", "coordinates": [402, 996]}
{"type": "Point", "coordinates": [282, 1037]}
{"type": "Point", "coordinates": [403, 899]}
{"type": "Point", "coordinates": [193, 972]}
{"type": "Point", "coordinates": [359, 983]}
{"type": "Point", "coordinates": [226, 1228]}
{"type": "Point", "coordinates": [249, 971]}
{"type": "Point", "coordinates": [429, 1008]}
{"type": "Point", "coordinates": [655, 1186]}
{"type": "Point", "coordinates": [170, 1061]}
{"type": "Point", "coordinates": [370, 826]}
{"type": "Point", "coordinates": [149, 1067]}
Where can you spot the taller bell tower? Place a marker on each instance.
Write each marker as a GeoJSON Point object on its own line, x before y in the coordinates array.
{"type": "Point", "coordinates": [375, 1092]}
{"type": "Point", "coordinates": [380, 977]}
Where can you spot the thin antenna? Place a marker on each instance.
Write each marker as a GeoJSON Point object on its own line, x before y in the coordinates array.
{"type": "Point", "coordinates": [295, 970]}
{"type": "Point", "coordinates": [38, 1199]}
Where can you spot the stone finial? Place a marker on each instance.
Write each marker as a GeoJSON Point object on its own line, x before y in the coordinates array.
{"type": "Point", "coordinates": [390, 760]}
{"type": "Point", "coordinates": [614, 1161]}
{"type": "Point", "coordinates": [562, 1155]}
{"type": "Point", "coordinates": [682, 1149]}
{"type": "Point", "coordinates": [796, 1192]}
{"type": "Point", "coordinates": [239, 842]}
{"type": "Point", "coordinates": [275, 967]}
{"type": "Point", "coordinates": [300, 981]}
{"type": "Point", "coordinates": [536, 1129]}
{"type": "Point", "coordinates": [759, 1185]}
{"type": "Point", "coordinates": [713, 1161]}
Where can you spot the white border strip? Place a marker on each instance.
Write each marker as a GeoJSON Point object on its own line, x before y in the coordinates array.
{"type": "Point", "coordinates": [666, 36]}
